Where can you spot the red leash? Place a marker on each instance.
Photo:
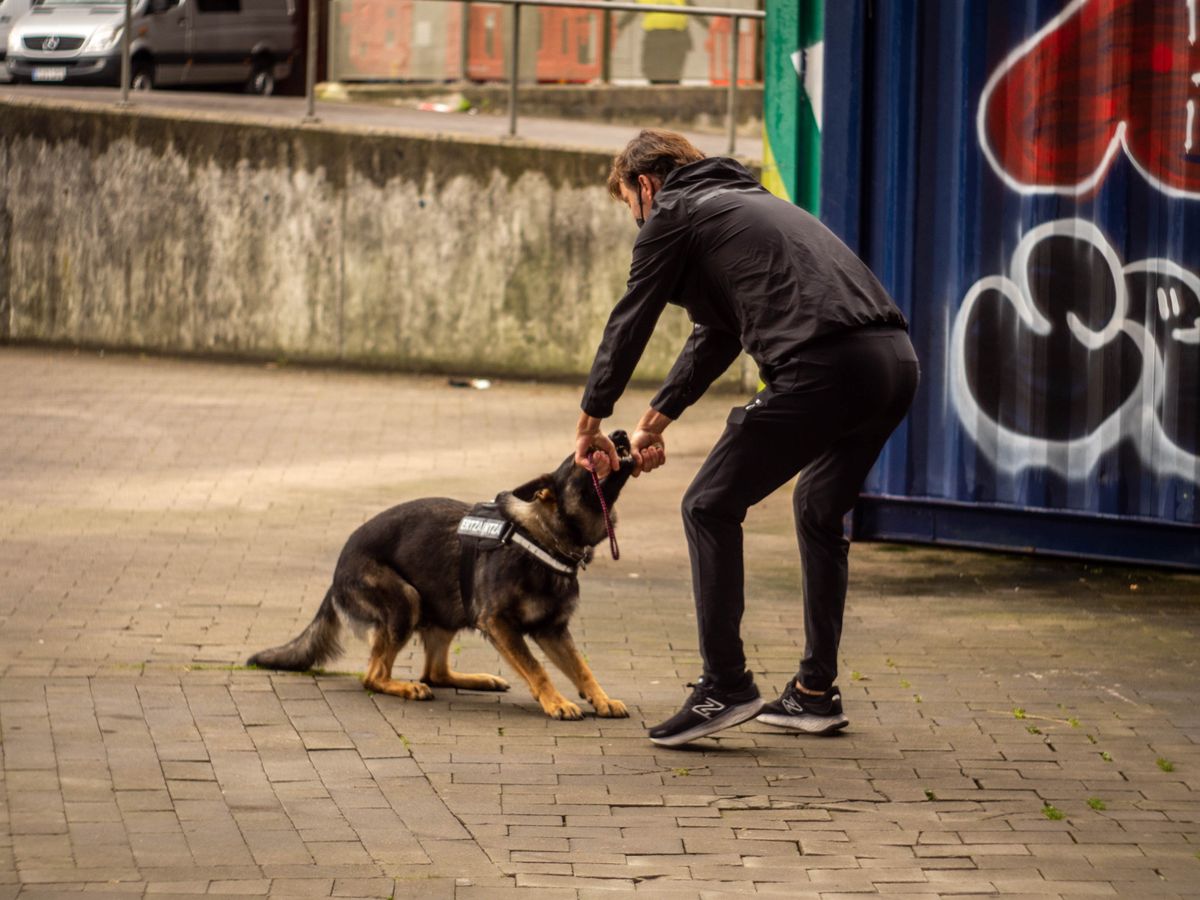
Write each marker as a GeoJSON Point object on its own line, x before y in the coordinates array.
{"type": "Point", "coordinates": [612, 535]}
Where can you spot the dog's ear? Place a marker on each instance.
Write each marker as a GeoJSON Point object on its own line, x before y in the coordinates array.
{"type": "Point", "coordinates": [530, 489]}
{"type": "Point", "coordinates": [546, 495]}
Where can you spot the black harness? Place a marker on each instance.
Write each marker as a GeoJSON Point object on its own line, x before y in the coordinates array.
{"type": "Point", "coordinates": [484, 529]}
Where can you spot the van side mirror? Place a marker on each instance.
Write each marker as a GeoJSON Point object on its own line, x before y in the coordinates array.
{"type": "Point", "coordinates": [161, 6]}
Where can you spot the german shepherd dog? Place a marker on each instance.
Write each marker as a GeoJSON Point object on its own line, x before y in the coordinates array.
{"type": "Point", "coordinates": [399, 573]}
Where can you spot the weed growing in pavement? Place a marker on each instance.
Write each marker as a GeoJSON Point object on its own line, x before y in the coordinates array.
{"type": "Point", "coordinates": [905, 683]}
{"type": "Point", "coordinates": [930, 795]}
{"type": "Point", "coordinates": [1052, 813]}
{"type": "Point", "coordinates": [856, 676]}
{"type": "Point", "coordinates": [1165, 764]}
{"type": "Point", "coordinates": [1073, 722]}
{"type": "Point", "coordinates": [1018, 712]}
{"type": "Point", "coordinates": [1033, 729]}
{"type": "Point", "coordinates": [1096, 803]}
{"type": "Point", "coordinates": [1106, 756]}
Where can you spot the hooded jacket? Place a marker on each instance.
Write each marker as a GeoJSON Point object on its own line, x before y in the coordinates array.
{"type": "Point", "coordinates": [754, 273]}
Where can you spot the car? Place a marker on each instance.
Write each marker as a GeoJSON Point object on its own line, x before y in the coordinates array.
{"type": "Point", "coordinates": [175, 42]}
{"type": "Point", "coordinates": [10, 11]}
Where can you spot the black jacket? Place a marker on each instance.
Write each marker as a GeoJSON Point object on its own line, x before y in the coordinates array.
{"type": "Point", "coordinates": [754, 272]}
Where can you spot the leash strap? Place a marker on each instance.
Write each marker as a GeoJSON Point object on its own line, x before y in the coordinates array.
{"type": "Point", "coordinates": [608, 526]}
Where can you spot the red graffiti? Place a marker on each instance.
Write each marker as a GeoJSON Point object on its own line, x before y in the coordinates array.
{"type": "Point", "coordinates": [1101, 75]}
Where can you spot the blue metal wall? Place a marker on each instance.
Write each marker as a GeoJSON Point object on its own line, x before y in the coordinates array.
{"type": "Point", "coordinates": [1024, 177]}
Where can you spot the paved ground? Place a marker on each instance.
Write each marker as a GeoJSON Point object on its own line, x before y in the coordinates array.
{"type": "Point", "coordinates": [567, 133]}
{"type": "Point", "coordinates": [1018, 727]}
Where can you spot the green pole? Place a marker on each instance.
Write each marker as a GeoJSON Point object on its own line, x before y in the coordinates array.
{"type": "Point", "coordinates": [792, 72]}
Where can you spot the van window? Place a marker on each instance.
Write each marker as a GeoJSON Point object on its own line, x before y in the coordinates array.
{"type": "Point", "coordinates": [219, 6]}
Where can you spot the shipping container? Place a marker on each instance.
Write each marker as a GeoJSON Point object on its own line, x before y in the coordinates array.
{"type": "Point", "coordinates": [1024, 177]}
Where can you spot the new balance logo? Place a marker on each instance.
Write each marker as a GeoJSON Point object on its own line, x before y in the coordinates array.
{"type": "Point", "coordinates": [708, 708]}
{"type": "Point", "coordinates": [795, 707]}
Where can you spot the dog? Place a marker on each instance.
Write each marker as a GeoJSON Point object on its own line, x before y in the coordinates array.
{"type": "Point", "coordinates": [512, 573]}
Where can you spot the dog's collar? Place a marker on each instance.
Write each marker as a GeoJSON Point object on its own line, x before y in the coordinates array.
{"type": "Point", "coordinates": [504, 531]}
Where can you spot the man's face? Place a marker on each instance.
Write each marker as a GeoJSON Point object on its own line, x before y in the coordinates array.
{"type": "Point", "coordinates": [640, 200]}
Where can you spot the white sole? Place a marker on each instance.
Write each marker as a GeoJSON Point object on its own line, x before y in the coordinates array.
{"type": "Point", "coordinates": [807, 724]}
{"type": "Point", "coordinates": [735, 716]}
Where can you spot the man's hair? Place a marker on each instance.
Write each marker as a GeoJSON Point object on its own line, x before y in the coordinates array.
{"type": "Point", "coordinates": [653, 152]}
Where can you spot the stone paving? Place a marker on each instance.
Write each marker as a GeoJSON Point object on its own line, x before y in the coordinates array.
{"type": "Point", "coordinates": [1019, 727]}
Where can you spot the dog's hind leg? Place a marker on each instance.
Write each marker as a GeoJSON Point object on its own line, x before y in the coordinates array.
{"type": "Point", "coordinates": [561, 649]}
{"type": "Point", "coordinates": [385, 591]}
{"type": "Point", "coordinates": [437, 665]}
{"type": "Point", "coordinates": [379, 671]}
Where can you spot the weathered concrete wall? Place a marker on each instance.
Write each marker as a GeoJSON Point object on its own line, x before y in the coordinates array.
{"type": "Point", "coordinates": [197, 234]}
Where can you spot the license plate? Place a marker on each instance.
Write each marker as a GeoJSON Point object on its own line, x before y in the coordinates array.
{"type": "Point", "coordinates": [50, 73]}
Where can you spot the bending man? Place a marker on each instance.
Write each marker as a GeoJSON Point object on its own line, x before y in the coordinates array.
{"type": "Point", "coordinates": [755, 273]}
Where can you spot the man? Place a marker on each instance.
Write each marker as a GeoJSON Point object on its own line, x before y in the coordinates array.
{"type": "Point", "coordinates": [755, 273]}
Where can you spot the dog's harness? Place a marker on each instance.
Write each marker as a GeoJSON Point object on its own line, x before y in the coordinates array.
{"type": "Point", "coordinates": [483, 529]}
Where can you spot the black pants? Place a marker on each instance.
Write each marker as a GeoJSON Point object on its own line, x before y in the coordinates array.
{"type": "Point", "coordinates": [826, 416]}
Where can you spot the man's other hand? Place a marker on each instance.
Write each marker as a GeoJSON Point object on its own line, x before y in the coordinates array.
{"type": "Point", "coordinates": [648, 450]}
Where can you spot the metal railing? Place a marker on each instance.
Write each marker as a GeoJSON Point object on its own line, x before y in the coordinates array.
{"type": "Point", "coordinates": [608, 8]}
{"type": "Point", "coordinates": [514, 50]}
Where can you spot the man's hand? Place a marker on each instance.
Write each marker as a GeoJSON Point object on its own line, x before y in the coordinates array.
{"type": "Point", "coordinates": [647, 446]}
{"type": "Point", "coordinates": [589, 437]}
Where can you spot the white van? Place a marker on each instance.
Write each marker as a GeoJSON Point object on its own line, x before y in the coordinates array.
{"type": "Point", "coordinates": [10, 11]}
{"type": "Point", "coordinates": [175, 42]}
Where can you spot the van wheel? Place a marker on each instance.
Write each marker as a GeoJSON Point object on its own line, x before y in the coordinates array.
{"type": "Point", "coordinates": [262, 79]}
{"type": "Point", "coordinates": [142, 77]}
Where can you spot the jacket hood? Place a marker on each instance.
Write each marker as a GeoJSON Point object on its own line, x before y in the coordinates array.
{"type": "Point", "coordinates": [712, 170]}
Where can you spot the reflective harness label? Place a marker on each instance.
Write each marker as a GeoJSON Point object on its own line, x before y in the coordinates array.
{"type": "Point", "coordinates": [489, 529]}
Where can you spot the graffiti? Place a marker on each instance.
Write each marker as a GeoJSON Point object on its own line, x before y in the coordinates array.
{"type": "Point", "coordinates": [1072, 352]}
{"type": "Point", "coordinates": [1102, 76]}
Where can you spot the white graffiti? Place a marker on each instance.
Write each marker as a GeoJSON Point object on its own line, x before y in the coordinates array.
{"type": "Point", "coordinates": [1138, 418]}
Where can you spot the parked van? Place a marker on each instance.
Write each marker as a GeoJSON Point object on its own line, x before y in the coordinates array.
{"type": "Point", "coordinates": [10, 11]}
{"type": "Point", "coordinates": [175, 42]}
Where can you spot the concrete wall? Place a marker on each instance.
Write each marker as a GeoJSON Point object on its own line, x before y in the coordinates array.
{"type": "Point", "coordinates": [197, 234]}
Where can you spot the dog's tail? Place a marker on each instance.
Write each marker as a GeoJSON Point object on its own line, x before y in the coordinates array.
{"type": "Point", "coordinates": [316, 644]}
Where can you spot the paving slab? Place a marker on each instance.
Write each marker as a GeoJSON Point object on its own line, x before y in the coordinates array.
{"type": "Point", "coordinates": [1019, 726]}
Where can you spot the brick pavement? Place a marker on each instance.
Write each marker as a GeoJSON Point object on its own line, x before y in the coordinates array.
{"type": "Point", "coordinates": [1019, 727]}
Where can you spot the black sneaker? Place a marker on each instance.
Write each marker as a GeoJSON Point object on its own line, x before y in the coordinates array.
{"type": "Point", "coordinates": [709, 709]}
{"type": "Point", "coordinates": [803, 712]}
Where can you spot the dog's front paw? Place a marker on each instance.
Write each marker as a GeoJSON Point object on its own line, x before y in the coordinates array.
{"type": "Point", "coordinates": [608, 708]}
{"type": "Point", "coordinates": [561, 708]}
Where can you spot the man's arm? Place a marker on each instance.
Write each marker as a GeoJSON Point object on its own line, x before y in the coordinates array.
{"type": "Point", "coordinates": [707, 353]}
{"type": "Point", "coordinates": [658, 260]}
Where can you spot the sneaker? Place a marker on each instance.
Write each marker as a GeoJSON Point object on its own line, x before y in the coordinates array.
{"type": "Point", "coordinates": [708, 709]}
{"type": "Point", "coordinates": [804, 712]}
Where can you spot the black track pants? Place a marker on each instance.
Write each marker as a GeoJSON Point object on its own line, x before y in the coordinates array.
{"type": "Point", "coordinates": [826, 417]}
